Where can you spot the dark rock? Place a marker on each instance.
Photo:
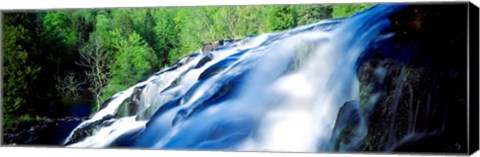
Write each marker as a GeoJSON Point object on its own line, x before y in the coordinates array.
{"type": "Point", "coordinates": [220, 66]}
{"type": "Point", "coordinates": [413, 100]}
{"type": "Point", "coordinates": [349, 128]}
{"type": "Point", "coordinates": [207, 58]}
{"type": "Point", "coordinates": [49, 120]}
{"type": "Point", "coordinates": [216, 44]}
{"type": "Point", "coordinates": [424, 89]}
{"type": "Point", "coordinates": [85, 131]}
{"type": "Point", "coordinates": [428, 144]}
{"type": "Point", "coordinates": [165, 107]}
{"type": "Point", "coordinates": [130, 106]}
{"type": "Point", "coordinates": [210, 46]}
{"type": "Point", "coordinates": [105, 104]}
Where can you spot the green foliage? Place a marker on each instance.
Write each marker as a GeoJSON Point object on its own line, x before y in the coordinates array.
{"type": "Point", "coordinates": [18, 72]}
{"type": "Point", "coordinates": [312, 13]}
{"type": "Point", "coordinates": [133, 62]}
{"type": "Point", "coordinates": [281, 18]}
{"type": "Point", "coordinates": [251, 20]}
{"type": "Point", "coordinates": [83, 22]}
{"type": "Point", "coordinates": [161, 34]}
{"type": "Point", "coordinates": [345, 10]}
{"type": "Point", "coordinates": [58, 25]}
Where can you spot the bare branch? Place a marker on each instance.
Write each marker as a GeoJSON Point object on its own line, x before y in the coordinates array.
{"type": "Point", "coordinates": [94, 57]}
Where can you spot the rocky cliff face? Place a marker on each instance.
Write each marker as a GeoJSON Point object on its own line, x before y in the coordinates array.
{"type": "Point", "coordinates": [415, 101]}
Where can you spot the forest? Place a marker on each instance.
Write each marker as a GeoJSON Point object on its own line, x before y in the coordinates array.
{"type": "Point", "coordinates": [56, 58]}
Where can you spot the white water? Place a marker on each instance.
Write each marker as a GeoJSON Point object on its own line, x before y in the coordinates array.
{"type": "Point", "coordinates": [271, 109]}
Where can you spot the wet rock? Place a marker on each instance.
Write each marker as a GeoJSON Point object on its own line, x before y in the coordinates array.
{"type": "Point", "coordinates": [49, 120]}
{"type": "Point", "coordinates": [220, 66]}
{"type": "Point", "coordinates": [207, 58]}
{"type": "Point", "coordinates": [413, 100]}
{"type": "Point", "coordinates": [85, 131]}
{"type": "Point", "coordinates": [349, 128]}
{"type": "Point", "coordinates": [421, 91]}
{"type": "Point", "coordinates": [131, 105]}
{"type": "Point", "coordinates": [210, 46]}
{"type": "Point", "coordinates": [216, 44]}
{"type": "Point", "coordinates": [30, 131]}
{"type": "Point", "coordinates": [68, 119]}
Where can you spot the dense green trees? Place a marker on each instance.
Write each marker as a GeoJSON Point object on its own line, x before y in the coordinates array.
{"type": "Point", "coordinates": [19, 73]}
{"type": "Point", "coordinates": [345, 10]}
{"type": "Point", "coordinates": [55, 58]}
{"type": "Point", "coordinates": [281, 18]}
{"type": "Point", "coordinates": [311, 13]}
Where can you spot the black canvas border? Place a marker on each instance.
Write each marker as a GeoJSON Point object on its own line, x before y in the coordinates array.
{"type": "Point", "coordinates": [473, 46]}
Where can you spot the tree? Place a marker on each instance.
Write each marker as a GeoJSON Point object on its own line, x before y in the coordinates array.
{"type": "Point", "coordinates": [57, 25]}
{"type": "Point", "coordinates": [163, 36]}
{"type": "Point", "coordinates": [19, 73]}
{"type": "Point", "coordinates": [226, 21]}
{"type": "Point", "coordinates": [281, 18]}
{"type": "Point", "coordinates": [251, 20]}
{"type": "Point", "coordinates": [308, 14]}
{"type": "Point", "coordinates": [83, 23]}
{"type": "Point", "coordinates": [70, 84]}
{"type": "Point", "coordinates": [191, 29]}
{"type": "Point", "coordinates": [133, 61]}
{"type": "Point", "coordinates": [345, 10]}
{"type": "Point", "coordinates": [94, 57]}
{"type": "Point", "coordinates": [121, 20]}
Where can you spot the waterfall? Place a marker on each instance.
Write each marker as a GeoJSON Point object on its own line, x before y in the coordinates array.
{"type": "Point", "coordinates": [278, 91]}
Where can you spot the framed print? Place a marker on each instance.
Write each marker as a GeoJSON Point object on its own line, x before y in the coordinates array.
{"type": "Point", "coordinates": [383, 77]}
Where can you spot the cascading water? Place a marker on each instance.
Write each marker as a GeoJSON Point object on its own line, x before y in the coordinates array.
{"type": "Point", "coordinates": [273, 92]}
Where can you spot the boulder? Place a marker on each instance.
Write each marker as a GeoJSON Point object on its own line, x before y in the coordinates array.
{"type": "Point", "coordinates": [349, 128]}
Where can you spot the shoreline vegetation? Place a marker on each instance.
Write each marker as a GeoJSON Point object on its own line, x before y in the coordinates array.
{"type": "Point", "coordinates": [57, 58]}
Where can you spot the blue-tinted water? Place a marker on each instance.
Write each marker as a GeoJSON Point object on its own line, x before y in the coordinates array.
{"type": "Point", "coordinates": [272, 92]}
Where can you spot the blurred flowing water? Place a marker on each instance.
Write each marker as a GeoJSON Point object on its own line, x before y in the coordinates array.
{"type": "Point", "coordinates": [272, 92]}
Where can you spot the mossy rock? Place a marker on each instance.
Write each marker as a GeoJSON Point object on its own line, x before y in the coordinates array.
{"type": "Point", "coordinates": [349, 128]}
